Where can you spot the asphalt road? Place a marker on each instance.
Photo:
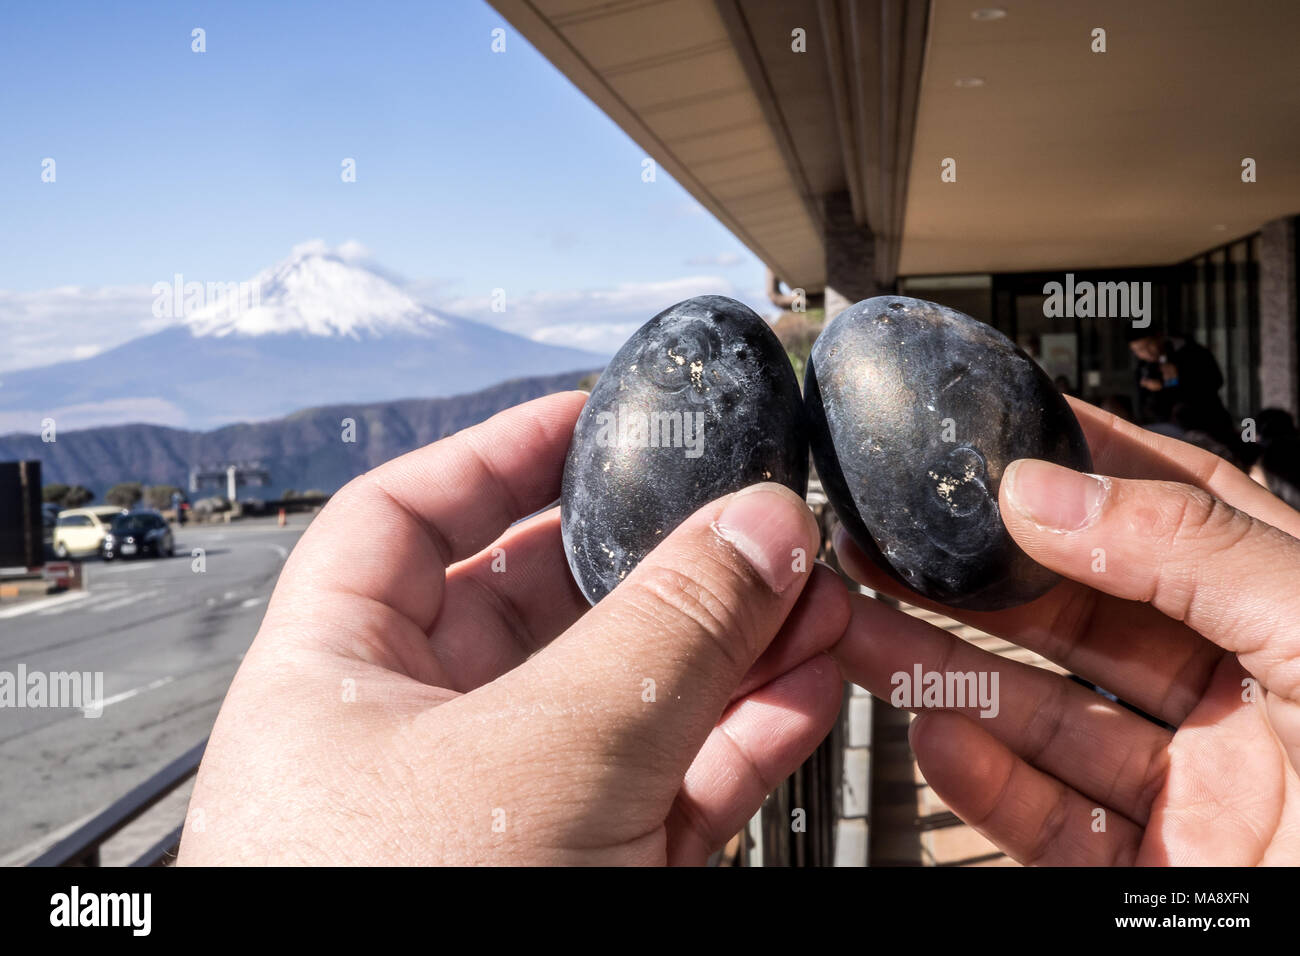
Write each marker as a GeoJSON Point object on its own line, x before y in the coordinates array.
{"type": "Point", "coordinates": [167, 640]}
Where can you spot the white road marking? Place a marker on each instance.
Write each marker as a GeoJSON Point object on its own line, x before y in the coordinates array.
{"type": "Point", "coordinates": [251, 602]}
{"type": "Point", "coordinates": [92, 598]}
{"type": "Point", "coordinates": [42, 603]}
{"type": "Point", "coordinates": [120, 568]}
{"type": "Point", "coordinates": [280, 549]}
{"type": "Point", "coordinates": [129, 599]}
{"type": "Point", "coordinates": [128, 694]}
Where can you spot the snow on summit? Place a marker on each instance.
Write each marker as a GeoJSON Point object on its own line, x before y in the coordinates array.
{"type": "Point", "coordinates": [316, 291]}
{"type": "Point", "coordinates": [324, 327]}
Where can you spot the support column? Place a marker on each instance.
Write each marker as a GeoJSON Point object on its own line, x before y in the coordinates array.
{"type": "Point", "coordinates": [850, 256]}
{"type": "Point", "coordinates": [1279, 356]}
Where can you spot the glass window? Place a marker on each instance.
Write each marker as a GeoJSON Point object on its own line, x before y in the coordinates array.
{"type": "Point", "coordinates": [1243, 387]}
{"type": "Point", "coordinates": [1052, 342]}
{"type": "Point", "coordinates": [1217, 332]}
{"type": "Point", "coordinates": [1196, 322]}
{"type": "Point", "coordinates": [972, 294]}
{"type": "Point", "coordinates": [133, 524]}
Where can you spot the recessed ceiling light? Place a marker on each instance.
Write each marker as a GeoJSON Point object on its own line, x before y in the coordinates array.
{"type": "Point", "coordinates": [1220, 228]}
{"type": "Point", "coordinates": [970, 82]}
{"type": "Point", "coordinates": [988, 13]}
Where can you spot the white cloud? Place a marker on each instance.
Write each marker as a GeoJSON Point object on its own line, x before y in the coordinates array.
{"type": "Point", "coordinates": [724, 259]}
{"type": "Point", "coordinates": [605, 338]}
{"type": "Point", "coordinates": [71, 322]}
{"type": "Point", "coordinates": [599, 320]}
{"type": "Point", "coordinates": [156, 411]}
{"type": "Point", "coordinates": [352, 251]}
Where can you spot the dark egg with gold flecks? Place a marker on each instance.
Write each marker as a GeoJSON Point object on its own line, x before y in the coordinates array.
{"type": "Point", "coordinates": [915, 410]}
{"type": "Point", "coordinates": [700, 402]}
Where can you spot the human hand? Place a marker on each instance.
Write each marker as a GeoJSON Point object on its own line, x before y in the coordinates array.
{"type": "Point", "coordinates": [1152, 384]}
{"type": "Point", "coordinates": [404, 703]}
{"type": "Point", "coordinates": [1192, 620]}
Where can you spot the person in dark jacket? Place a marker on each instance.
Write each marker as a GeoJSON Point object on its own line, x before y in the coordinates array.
{"type": "Point", "coordinates": [1180, 380]}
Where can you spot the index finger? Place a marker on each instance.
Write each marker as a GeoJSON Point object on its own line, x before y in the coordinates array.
{"type": "Point", "coordinates": [390, 534]}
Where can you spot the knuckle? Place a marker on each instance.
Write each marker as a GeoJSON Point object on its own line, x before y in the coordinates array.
{"type": "Point", "coordinates": [1152, 781]}
{"type": "Point", "coordinates": [1051, 832]}
{"type": "Point", "coordinates": [1073, 623]}
{"type": "Point", "coordinates": [1197, 523]}
{"type": "Point", "coordinates": [700, 604]}
{"type": "Point", "coordinates": [1202, 517]}
{"type": "Point", "coordinates": [480, 461]}
{"type": "Point", "coordinates": [1046, 722]}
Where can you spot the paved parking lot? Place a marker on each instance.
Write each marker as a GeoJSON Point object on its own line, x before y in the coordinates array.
{"type": "Point", "coordinates": [167, 641]}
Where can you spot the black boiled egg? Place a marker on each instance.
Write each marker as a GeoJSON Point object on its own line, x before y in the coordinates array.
{"type": "Point", "coordinates": [700, 402]}
{"type": "Point", "coordinates": [915, 410]}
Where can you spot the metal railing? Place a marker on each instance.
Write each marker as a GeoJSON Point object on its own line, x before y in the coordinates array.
{"type": "Point", "coordinates": [82, 846]}
{"type": "Point", "coordinates": [798, 822]}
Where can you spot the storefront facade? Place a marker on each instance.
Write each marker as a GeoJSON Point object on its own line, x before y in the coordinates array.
{"type": "Point", "coordinates": [1213, 298]}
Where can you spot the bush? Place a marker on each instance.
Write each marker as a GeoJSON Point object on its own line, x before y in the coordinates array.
{"type": "Point", "coordinates": [125, 494]}
{"type": "Point", "coordinates": [78, 496]}
{"type": "Point", "coordinates": [797, 331]}
{"type": "Point", "coordinates": [160, 496]}
{"type": "Point", "coordinates": [66, 496]}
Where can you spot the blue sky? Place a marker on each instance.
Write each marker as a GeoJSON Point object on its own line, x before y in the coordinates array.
{"type": "Point", "coordinates": [475, 170]}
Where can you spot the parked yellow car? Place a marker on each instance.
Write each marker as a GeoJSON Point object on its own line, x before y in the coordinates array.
{"type": "Point", "coordinates": [82, 530]}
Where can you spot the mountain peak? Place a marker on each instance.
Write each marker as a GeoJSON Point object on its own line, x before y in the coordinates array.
{"type": "Point", "coordinates": [316, 291]}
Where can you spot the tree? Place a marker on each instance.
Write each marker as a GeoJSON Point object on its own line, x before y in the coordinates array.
{"type": "Point", "coordinates": [315, 494]}
{"type": "Point", "coordinates": [66, 496]}
{"type": "Point", "coordinates": [124, 494]}
{"type": "Point", "coordinates": [54, 492]}
{"type": "Point", "coordinates": [78, 496]}
{"type": "Point", "coordinates": [287, 494]}
{"type": "Point", "coordinates": [797, 331]}
{"type": "Point", "coordinates": [160, 496]}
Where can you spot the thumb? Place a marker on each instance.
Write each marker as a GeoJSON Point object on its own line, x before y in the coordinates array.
{"type": "Point", "coordinates": [649, 670]}
{"type": "Point", "coordinates": [1228, 576]}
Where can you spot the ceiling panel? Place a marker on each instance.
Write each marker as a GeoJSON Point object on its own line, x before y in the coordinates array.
{"type": "Point", "coordinates": [1068, 158]}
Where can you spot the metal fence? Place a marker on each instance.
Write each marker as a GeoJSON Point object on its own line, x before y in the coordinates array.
{"type": "Point", "coordinates": [82, 847]}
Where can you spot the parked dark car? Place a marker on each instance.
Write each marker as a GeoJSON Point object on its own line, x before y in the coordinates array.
{"type": "Point", "coordinates": [49, 518]}
{"type": "Point", "coordinates": [138, 533]}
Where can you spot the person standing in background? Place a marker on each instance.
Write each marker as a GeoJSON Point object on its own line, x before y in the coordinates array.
{"type": "Point", "coordinates": [1179, 381]}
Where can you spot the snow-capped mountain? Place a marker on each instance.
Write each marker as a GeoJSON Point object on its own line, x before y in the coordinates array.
{"type": "Point", "coordinates": [320, 328]}
{"type": "Point", "coordinates": [316, 291]}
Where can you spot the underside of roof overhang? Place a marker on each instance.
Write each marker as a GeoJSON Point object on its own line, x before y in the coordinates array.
{"type": "Point", "coordinates": [1064, 157]}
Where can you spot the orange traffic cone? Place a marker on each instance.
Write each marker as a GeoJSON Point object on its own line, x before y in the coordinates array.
{"type": "Point", "coordinates": [282, 521]}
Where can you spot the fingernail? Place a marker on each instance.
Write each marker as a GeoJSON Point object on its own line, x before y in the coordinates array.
{"type": "Point", "coordinates": [770, 529]}
{"type": "Point", "coordinates": [1054, 498]}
